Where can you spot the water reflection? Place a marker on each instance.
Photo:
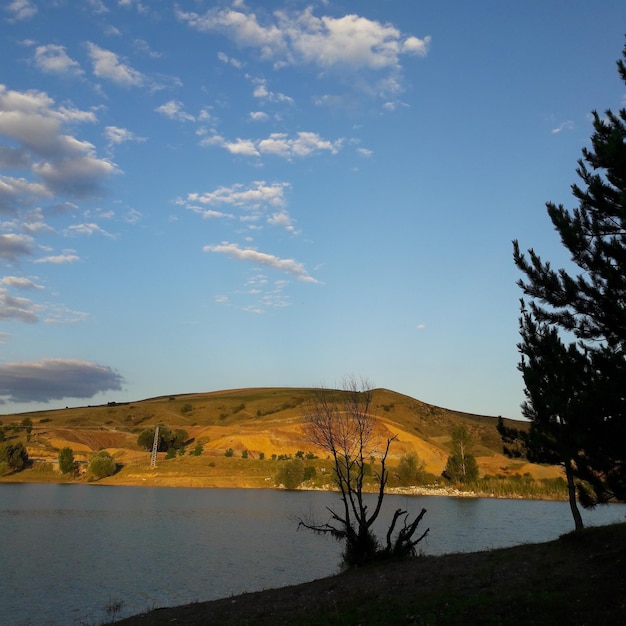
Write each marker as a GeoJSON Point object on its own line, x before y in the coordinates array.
{"type": "Point", "coordinates": [72, 549]}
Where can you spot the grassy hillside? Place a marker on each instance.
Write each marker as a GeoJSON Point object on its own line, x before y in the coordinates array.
{"type": "Point", "coordinates": [263, 422]}
{"type": "Point", "coordinates": [577, 579]}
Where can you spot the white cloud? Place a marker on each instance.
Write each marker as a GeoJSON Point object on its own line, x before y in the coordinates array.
{"type": "Point", "coordinates": [106, 64]}
{"type": "Point", "coordinates": [115, 135]}
{"type": "Point", "coordinates": [86, 229]}
{"type": "Point", "coordinates": [54, 379]}
{"type": "Point", "coordinates": [282, 219]}
{"type": "Point", "coordinates": [253, 196]}
{"type": "Point", "coordinates": [261, 92]}
{"type": "Point", "coordinates": [349, 42]}
{"type": "Point", "coordinates": [568, 125]}
{"type": "Point", "coordinates": [19, 282]}
{"type": "Point", "coordinates": [224, 58]}
{"type": "Point", "coordinates": [53, 59]}
{"type": "Point", "coordinates": [21, 9]}
{"type": "Point", "coordinates": [259, 116]}
{"type": "Point", "coordinates": [289, 266]}
{"type": "Point", "coordinates": [364, 152]}
{"type": "Point", "coordinates": [174, 110]}
{"type": "Point", "coordinates": [59, 259]}
{"type": "Point", "coordinates": [278, 144]}
{"type": "Point", "coordinates": [245, 147]}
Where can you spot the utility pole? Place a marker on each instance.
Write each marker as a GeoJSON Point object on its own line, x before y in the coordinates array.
{"type": "Point", "coordinates": [155, 445]}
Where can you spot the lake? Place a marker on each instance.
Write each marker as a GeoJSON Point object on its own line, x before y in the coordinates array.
{"type": "Point", "coordinates": [71, 551]}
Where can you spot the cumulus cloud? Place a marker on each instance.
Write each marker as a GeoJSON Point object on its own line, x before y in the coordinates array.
{"type": "Point", "coordinates": [19, 282]}
{"type": "Point", "coordinates": [86, 229]}
{"type": "Point", "coordinates": [262, 92]}
{"type": "Point", "coordinates": [16, 193]}
{"type": "Point", "coordinates": [59, 163]}
{"type": "Point", "coordinates": [252, 196]}
{"type": "Point", "coordinates": [349, 42]}
{"type": "Point", "coordinates": [20, 309]}
{"type": "Point", "coordinates": [259, 116]}
{"type": "Point", "coordinates": [254, 199]}
{"type": "Point", "coordinates": [54, 379]}
{"type": "Point", "coordinates": [174, 110]}
{"type": "Point", "coordinates": [21, 9]}
{"type": "Point", "coordinates": [13, 246]}
{"type": "Point", "coordinates": [116, 135]}
{"type": "Point", "coordinates": [106, 64]}
{"type": "Point", "coordinates": [224, 58]}
{"type": "Point", "coordinates": [59, 259]}
{"type": "Point", "coordinates": [53, 59]}
{"type": "Point", "coordinates": [289, 266]}
{"type": "Point", "coordinates": [304, 144]}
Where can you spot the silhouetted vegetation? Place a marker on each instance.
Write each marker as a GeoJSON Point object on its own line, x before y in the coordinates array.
{"type": "Point", "coordinates": [342, 423]}
{"type": "Point", "coordinates": [573, 347]}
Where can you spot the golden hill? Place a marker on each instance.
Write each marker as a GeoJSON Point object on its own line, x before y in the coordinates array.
{"type": "Point", "coordinates": [263, 422]}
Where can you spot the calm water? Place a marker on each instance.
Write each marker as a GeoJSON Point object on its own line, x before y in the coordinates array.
{"type": "Point", "coordinates": [69, 551]}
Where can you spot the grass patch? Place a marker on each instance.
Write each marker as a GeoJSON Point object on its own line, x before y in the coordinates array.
{"type": "Point", "coordinates": [577, 579]}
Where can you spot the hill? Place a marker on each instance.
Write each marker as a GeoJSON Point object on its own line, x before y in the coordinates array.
{"type": "Point", "coordinates": [264, 425]}
{"type": "Point", "coordinates": [577, 579]}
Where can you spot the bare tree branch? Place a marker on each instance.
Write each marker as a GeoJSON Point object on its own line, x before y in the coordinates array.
{"type": "Point", "coordinates": [343, 423]}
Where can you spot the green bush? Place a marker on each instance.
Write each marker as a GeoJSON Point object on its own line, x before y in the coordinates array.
{"type": "Point", "coordinates": [66, 460]}
{"type": "Point", "coordinates": [461, 469]}
{"type": "Point", "coordinates": [14, 455]}
{"type": "Point", "coordinates": [411, 471]}
{"type": "Point", "coordinates": [291, 474]}
{"type": "Point", "coordinates": [244, 454]}
{"type": "Point", "coordinates": [102, 465]}
{"type": "Point", "coordinates": [229, 452]}
{"type": "Point", "coordinates": [167, 438]}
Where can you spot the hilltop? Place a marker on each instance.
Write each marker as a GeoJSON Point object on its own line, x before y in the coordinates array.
{"type": "Point", "coordinates": [262, 424]}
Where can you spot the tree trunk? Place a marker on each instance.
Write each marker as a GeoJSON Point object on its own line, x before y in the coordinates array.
{"type": "Point", "coordinates": [571, 492]}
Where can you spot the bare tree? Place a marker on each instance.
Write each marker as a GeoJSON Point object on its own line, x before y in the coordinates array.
{"type": "Point", "coordinates": [343, 424]}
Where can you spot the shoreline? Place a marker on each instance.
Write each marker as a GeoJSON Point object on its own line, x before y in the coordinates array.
{"type": "Point", "coordinates": [189, 482]}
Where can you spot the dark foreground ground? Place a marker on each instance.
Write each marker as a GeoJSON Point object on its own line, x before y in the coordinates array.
{"type": "Point", "coordinates": [579, 579]}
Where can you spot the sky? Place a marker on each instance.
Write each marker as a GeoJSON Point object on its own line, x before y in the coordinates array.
{"type": "Point", "coordinates": [199, 196]}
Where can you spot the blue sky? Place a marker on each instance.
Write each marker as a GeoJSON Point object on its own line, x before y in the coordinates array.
{"type": "Point", "coordinates": [198, 196]}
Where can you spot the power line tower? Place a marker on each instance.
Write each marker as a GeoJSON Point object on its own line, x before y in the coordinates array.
{"type": "Point", "coordinates": [155, 446]}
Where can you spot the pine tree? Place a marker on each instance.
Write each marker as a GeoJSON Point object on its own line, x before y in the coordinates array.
{"type": "Point", "coordinates": [574, 328]}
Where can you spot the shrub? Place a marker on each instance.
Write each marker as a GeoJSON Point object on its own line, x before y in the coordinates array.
{"type": "Point", "coordinates": [167, 438]}
{"type": "Point", "coordinates": [244, 454]}
{"type": "Point", "coordinates": [229, 452]}
{"type": "Point", "coordinates": [66, 460]}
{"type": "Point", "coordinates": [102, 465]}
{"type": "Point", "coordinates": [411, 471]}
{"type": "Point", "coordinates": [186, 408]}
{"type": "Point", "coordinates": [14, 455]}
{"type": "Point", "coordinates": [291, 474]}
{"type": "Point", "coordinates": [197, 451]}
